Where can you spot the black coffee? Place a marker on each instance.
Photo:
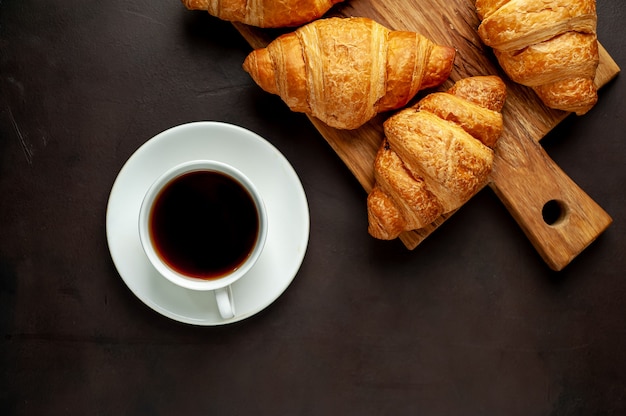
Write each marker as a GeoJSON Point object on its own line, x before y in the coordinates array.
{"type": "Point", "coordinates": [204, 224]}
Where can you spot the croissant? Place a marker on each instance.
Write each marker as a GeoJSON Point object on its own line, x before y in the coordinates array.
{"type": "Point", "coordinates": [435, 156]}
{"type": "Point", "coordinates": [344, 71]}
{"type": "Point", "coordinates": [264, 13]}
{"type": "Point", "coordinates": [548, 45]}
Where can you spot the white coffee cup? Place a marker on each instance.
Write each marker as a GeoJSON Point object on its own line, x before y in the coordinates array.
{"type": "Point", "coordinates": [199, 214]}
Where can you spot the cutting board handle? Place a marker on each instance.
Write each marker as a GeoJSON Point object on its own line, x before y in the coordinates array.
{"type": "Point", "coordinates": [558, 217]}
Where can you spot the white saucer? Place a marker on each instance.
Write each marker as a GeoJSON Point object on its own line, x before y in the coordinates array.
{"type": "Point", "coordinates": [284, 197]}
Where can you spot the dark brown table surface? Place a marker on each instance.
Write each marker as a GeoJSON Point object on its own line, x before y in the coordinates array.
{"type": "Point", "coordinates": [472, 322]}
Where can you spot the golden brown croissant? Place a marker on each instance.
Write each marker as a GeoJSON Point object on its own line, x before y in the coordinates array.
{"type": "Point", "coordinates": [264, 13]}
{"type": "Point", "coordinates": [436, 155]}
{"type": "Point", "coordinates": [344, 71]}
{"type": "Point", "coordinates": [548, 45]}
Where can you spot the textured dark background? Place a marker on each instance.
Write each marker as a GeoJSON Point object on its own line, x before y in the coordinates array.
{"type": "Point", "coordinates": [470, 323]}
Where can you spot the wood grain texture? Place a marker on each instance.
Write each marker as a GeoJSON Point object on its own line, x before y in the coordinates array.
{"type": "Point", "coordinates": [524, 177]}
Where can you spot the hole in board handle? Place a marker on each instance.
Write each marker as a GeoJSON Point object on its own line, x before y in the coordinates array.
{"type": "Point", "coordinates": [553, 212]}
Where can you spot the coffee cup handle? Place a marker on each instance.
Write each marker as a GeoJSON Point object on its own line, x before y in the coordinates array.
{"type": "Point", "coordinates": [225, 302]}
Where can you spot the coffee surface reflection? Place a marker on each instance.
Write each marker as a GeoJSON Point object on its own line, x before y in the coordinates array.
{"type": "Point", "coordinates": [204, 224]}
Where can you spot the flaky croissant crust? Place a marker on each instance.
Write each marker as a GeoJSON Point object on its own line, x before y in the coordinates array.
{"type": "Point", "coordinates": [435, 156]}
{"type": "Point", "coordinates": [264, 13]}
{"type": "Point", "coordinates": [344, 71]}
{"type": "Point", "coordinates": [548, 45]}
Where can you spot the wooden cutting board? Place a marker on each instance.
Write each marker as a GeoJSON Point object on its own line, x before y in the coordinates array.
{"type": "Point", "coordinates": [524, 177]}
